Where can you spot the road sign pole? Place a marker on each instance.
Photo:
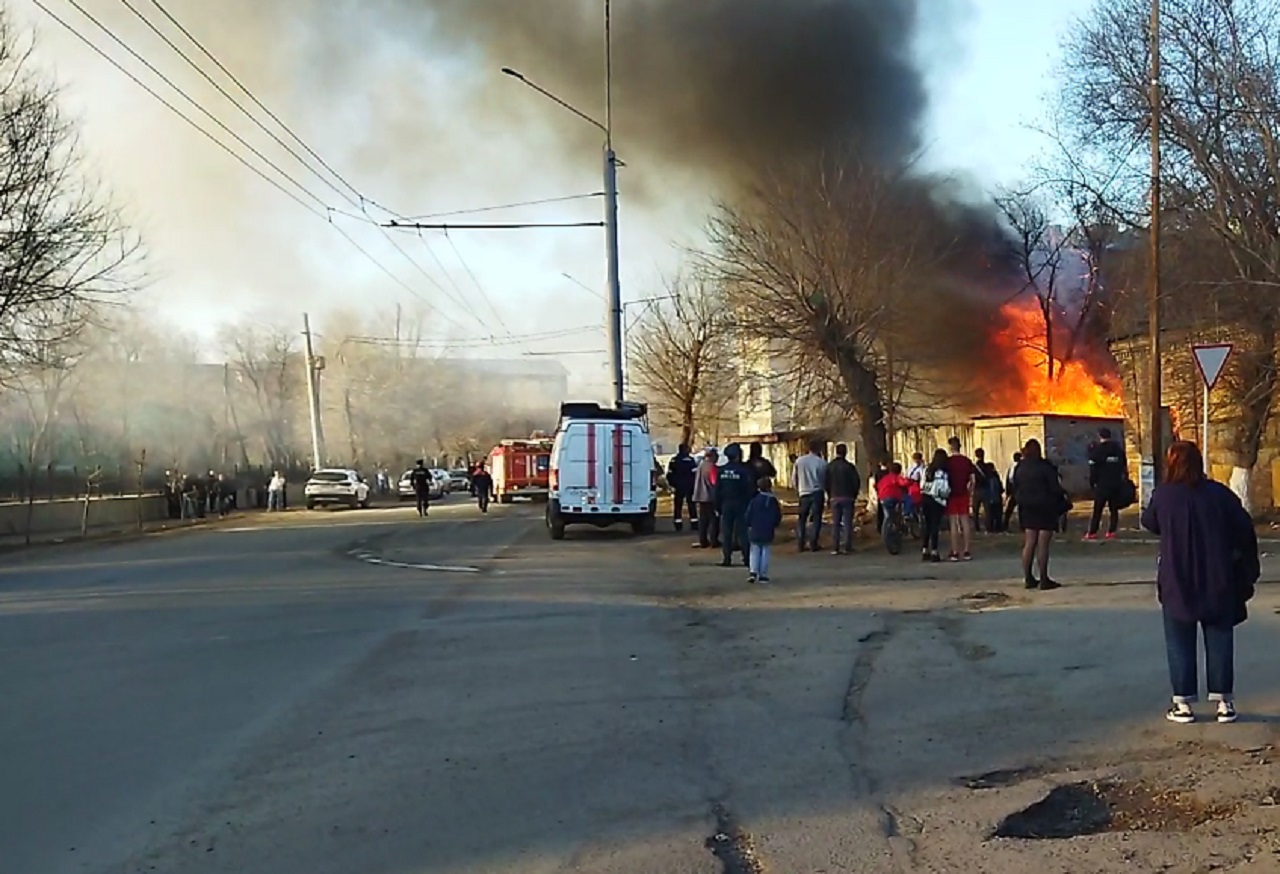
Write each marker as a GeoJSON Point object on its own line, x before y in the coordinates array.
{"type": "Point", "coordinates": [1204, 443]}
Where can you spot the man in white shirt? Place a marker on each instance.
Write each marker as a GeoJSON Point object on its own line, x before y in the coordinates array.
{"type": "Point", "coordinates": [275, 492]}
{"type": "Point", "coordinates": [811, 478]}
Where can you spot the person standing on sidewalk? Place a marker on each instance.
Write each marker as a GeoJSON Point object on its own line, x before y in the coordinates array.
{"type": "Point", "coordinates": [811, 478]}
{"type": "Point", "coordinates": [704, 495]}
{"type": "Point", "coordinates": [936, 491]}
{"type": "Point", "coordinates": [1011, 502]}
{"type": "Point", "coordinates": [734, 490]}
{"type": "Point", "coordinates": [682, 473]}
{"type": "Point", "coordinates": [1107, 474]}
{"type": "Point", "coordinates": [482, 487]}
{"type": "Point", "coordinates": [1041, 500]}
{"type": "Point", "coordinates": [764, 515]}
{"type": "Point", "coordinates": [843, 483]}
{"type": "Point", "coordinates": [1206, 575]}
{"type": "Point", "coordinates": [961, 474]}
{"type": "Point", "coordinates": [275, 493]}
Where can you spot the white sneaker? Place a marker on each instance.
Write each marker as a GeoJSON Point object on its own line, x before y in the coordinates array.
{"type": "Point", "coordinates": [1181, 714]}
{"type": "Point", "coordinates": [1226, 712]}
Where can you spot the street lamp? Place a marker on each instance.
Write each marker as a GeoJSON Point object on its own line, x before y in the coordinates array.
{"type": "Point", "coordinates": [614, 321]}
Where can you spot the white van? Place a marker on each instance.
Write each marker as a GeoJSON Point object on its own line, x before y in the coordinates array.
{"type": "Point", "coordinates": [602, 469]}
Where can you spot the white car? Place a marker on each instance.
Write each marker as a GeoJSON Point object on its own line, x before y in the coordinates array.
{"type": "Point", "coordinates": [404, 488]}
{"type": "Point", "coordinates": [336, 486]}
{"type": "Point", "coordinates": [443, 482]}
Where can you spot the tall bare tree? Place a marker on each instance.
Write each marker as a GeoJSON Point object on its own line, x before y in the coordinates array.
{"type": "Point", "coordinates": [266, 365]}
{"type": "Point", "coordinates": [63, 247]}
{"type": "Point", "coordinates": [845, 263]}
{"type": "Point", "coordinates": [1220, 124]}
{"type": "Point", "coordinates": [681, 353]}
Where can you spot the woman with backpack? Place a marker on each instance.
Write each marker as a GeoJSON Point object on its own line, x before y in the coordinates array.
{"type": "Point", "coordinates": [935, 491]}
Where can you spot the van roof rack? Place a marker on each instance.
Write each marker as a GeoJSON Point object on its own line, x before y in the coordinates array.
{"type": "Point", "coordinates": [625, 412]}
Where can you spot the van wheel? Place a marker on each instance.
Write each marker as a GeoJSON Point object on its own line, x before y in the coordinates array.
{"type": "Point", "coordinates": [504, 499]}
{"type": "Point", "coordinates": [311, 505]}
{"type": "Point", "coordinates": [644, 527]}
{"type": "Point", "coordinates": [555, 522]}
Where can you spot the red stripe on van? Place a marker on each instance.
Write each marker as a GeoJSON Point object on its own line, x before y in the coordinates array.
{"type": "Point", "coordinates": [591, 456]}
{"type": "Point", "coordinates": [618, 471]}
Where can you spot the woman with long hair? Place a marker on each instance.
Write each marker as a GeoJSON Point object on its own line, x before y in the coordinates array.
{"type": "Point", "coordinates": [1207, 572]}
{"type": "Point", "coordinates": [1040, 498]}
{"type": "Point", "coordinates": [935, 490]}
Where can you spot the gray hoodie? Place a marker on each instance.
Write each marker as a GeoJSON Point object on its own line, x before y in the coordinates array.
{"type": "Point", "coordinates": [704, 488]}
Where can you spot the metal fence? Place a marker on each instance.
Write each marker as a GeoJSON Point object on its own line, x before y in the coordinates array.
{"type": "Point", "coordinates": [53, 482]}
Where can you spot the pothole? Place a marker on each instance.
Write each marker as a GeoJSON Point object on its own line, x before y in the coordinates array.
{"type": "Point", "coordinates": [732, 845]}
{"type": "Point", "coordinates": [986, 600]}
{"type": "Point", "coordinates": [1079, 809]}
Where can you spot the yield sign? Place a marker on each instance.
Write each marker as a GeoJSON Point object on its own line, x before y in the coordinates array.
{"type": "Point", "coordinates": [1210, 359]}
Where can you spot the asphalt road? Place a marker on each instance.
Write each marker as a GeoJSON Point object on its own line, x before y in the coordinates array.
{"type": "Point", "coordinates": [298, 695]}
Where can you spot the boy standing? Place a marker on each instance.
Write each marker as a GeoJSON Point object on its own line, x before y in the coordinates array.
{"type": "Point", "coordinates": [764, 515]}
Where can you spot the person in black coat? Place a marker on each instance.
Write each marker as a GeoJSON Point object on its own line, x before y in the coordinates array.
{"type": "Point", "coordinates": [1206, 576]}
{"type": "Point", "coordinates": [682, 473]}
{"type": "Point", "coordinates": [735, 487]}
{"type": "Point", "coordinates": [1041, 499]}
{"type": "Point", "coordinates": [1108, 471]}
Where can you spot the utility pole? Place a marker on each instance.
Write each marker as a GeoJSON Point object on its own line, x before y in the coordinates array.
{"type": "Point", "coordinates": [1155, 419]}
{"type": "Point", "coordinates": [314, 366]}
{"type": "Point", "coordinates": [611, 217]}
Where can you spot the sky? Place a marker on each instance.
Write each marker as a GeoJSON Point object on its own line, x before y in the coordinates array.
{"type": "Point", "coordinates": [431, 126]}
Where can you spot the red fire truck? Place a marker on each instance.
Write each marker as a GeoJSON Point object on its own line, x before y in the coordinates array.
{"type": "Point", "coordinates": [521, 467]}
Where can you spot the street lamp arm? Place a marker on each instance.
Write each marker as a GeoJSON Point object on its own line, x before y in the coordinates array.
{"type": "Point", "coordinates": [520, 77]}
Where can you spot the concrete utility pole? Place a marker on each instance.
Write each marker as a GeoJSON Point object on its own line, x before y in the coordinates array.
{"type": "Point", "coordinates": [611, 218]}
{"type": "Point", "coordinates": [1155, 420]}
{"type": "Point", "coordinates": [314, 366]}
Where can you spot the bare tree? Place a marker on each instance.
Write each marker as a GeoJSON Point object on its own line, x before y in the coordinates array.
{"type": "Point", "coordinates": [266, 365]}
{"type": "Point", "coordinates": [1220, 121]}
{"type": "Point", "coordinates": [62, 247]}
{"type": "Point", "coordinates": [681, 353]}
{"type": "Point", "coordinates": [827, 259]}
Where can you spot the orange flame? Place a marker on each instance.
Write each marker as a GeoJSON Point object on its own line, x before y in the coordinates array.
{"type": "Point", "coordinates": [1073, 390]}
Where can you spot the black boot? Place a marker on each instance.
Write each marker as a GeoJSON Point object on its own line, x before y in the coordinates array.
{"type": "Point", "coordinates": [679, 525]}
{"type": "Point", "coordinates": [1031, 581]}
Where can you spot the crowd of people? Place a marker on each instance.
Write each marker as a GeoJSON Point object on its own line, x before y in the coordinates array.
{"type": "Point", "coordinates": [1208, 566]}
{"type": "Point", "coordinates": [948, 490]}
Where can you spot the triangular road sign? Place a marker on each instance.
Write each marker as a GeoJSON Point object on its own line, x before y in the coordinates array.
{"type": "Point", "coordinates": [1210, 359]}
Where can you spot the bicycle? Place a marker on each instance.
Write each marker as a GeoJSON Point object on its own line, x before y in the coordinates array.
{"type": "Point", "coordinates": [892, 530]}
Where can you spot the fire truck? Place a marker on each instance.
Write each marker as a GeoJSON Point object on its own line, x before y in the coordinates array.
{"type": "Point", "coordinates": [521, 468]}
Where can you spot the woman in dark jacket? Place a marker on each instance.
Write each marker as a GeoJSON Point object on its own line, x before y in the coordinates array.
{"type": "Point", "coordinates": [1040, 498]}
{"type": "Point", "coordinates": [1207, 571]}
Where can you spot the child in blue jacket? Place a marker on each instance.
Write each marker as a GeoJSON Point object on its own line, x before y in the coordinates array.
{"type": "Point", "coordinates": [764, 515]}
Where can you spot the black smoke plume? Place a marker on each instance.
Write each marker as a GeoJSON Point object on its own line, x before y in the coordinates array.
{"type": "Point", "coordinates": [715, 87]}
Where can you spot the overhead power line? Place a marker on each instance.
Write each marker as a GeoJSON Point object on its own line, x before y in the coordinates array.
{"type": "Point", "coordinates": [328, 210]}
{"type": "Point", "coordinates": [253, 97]}
{"type": "Point", "coordinates": [500, 207]}
{"type": "Point", "coordinates": [234, 102]}
{"type": "Point", "coordinates": [163, 78]}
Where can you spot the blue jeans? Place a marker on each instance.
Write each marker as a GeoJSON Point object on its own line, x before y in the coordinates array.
{"type": "Point", "coordinates": [842, 523]}
{"type": "Point", "coordinates": [1219, 659]}
{"type": "Point", "coordinates": [275, 500]}
{"type": "Point", "coordinates": [810, 508]}
{"type": "Point", "coordinates": [760, 554]}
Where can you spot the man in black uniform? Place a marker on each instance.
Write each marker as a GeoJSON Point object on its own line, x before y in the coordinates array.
{"type": "Point", "coordinates": [420, 478]}
{"type": "Point", "coordinates": [482, 487]}
{"type": "Point", "coordinates": [735, 487]}
{"type": "Point", "coordinates": [682, 471]}
{"type": "Point", "coordinates": [1107, 474]}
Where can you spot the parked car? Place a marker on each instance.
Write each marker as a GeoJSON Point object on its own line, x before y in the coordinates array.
{"type": "Point", "coordinates": [442, 480]}
{"type": "Point", "coordinates": [405, 487]}
{"type": "Point", "coordinates": [336, 486]}
{"type": "Point", "coordinates": [460, 480]}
